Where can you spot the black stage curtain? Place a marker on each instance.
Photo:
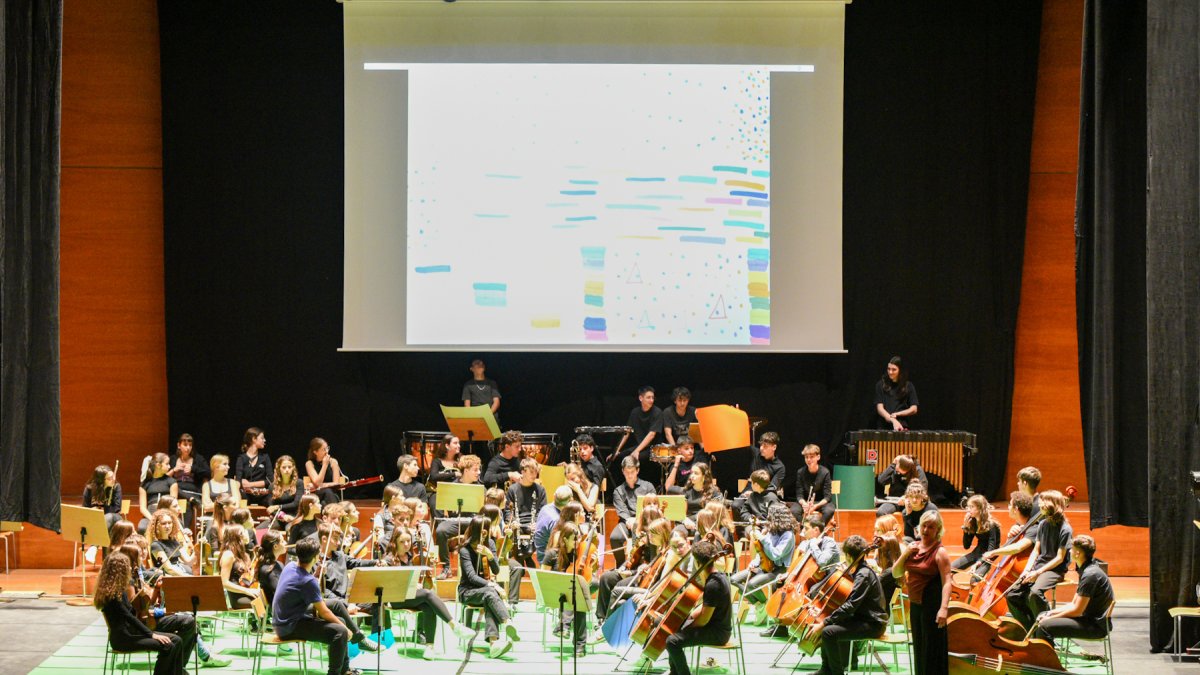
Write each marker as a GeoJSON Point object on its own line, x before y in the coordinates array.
{"type": "Point", "coordinates": [939, 103]}
{"type": "Point", "coordinates": [1172, 298]}
{"type": "Point", "coordinates": [31, 48]}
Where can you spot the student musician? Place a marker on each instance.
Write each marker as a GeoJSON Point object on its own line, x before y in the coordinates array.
{"type": "Point", "coordinates": [701, 490]}
{"type": "Point", "coordinates": [270, 550]}
{"type": "Point", "coordinates": [712, 520]}
{"type": "Point", "coordinates": [237, 569]}
{"type": "Point", "coordinates": [981, 532]}
{"type": "Point", "coordinates": [628, 579]}
{"type": "Point", "coordinates": [679, 417]}
{"type": "Point", "coordinates": [890, 534]}
{"type": "Point", "coordinates": [1021, 535]}
{"type": "Point", "coordinates": [710, 622]}
{"type": "Point", "coordinates": [583, 490]}
{"type": "Point", "coordinates": [190, 471]}
{"type": "Point", "coordinates": [1047, 564]}
{"type": "Point", "coordinates": [444, 468]}
{"type": "Point", "coordinates": [895, 397]}
{"type": "Point", "coordinates": [625, 502]}
{"type": "Point", "coordinates": [476, 587]}
{"type": "Point", "coordinates": [1028, 480]}
{"type": "Point", "coordinates": [253, 470]}
{"type": "Point", "coordinates": [764, 458]}
{"type": "Point", "coordinates": [686, 457]}
{"type": "Point", "coordinates": [926, 567]}
{"type": "Point", "coordinates": [863, 614]}
{"type": "Point", "coordinates": [407, 483]}
{"type": "Point", "coordinates": [505, 467]}
{"type": "Point", "coordinates": [426, 603]}
{"type": "Point", "coordinates": [323, 472]}
{"type": "Point", "coordinates": [155, 483]}
{"type": "Point", "coordinates": [220, 483]}
{"type": "Point", "coordinates": [772, 554]}
{"type": "Point", "coordinates": [1086, 616]}
{"type": "Point", "coordinates": [171, 546]}
{"type": "Point", "coordinates": [299, 611]}
{"type": "Point", "coordinates": [818, 544]}
{"type": "Point", "coordinates": [646, 421]}
{"type": "Point", "coordinates": [526, 497]}
{"type": "Point", "coordinates": [335, 584]}
{"type": "Point", "coordinates": [104, 492]}
{"type": "Point", "coordinates": [895, 479]}
{"type": "Point", "coordinates": [562, 558]}
{"type": "Point", "coordinates": [450, 525]}
{"type": "Point", "coordinates": [175, 638]}
{"type": "Point", "coordinates": [916, 505]}
{"type": "Point", "coordinates": [286, 491]}
{"type": "Point", "coordinates": [585, 447]}
{"type": "Point", "coordinates": [756, 503]}
{"type": "Point", "coordinates": [305, 524]}
{"type": "Point", "coordinates": [814, 487]}
{"type": "Point", "coordinates": [222, 513]}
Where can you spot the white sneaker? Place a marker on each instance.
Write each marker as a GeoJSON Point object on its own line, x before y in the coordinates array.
{"type": "Point", "coordinates": [429, 653]}
{"type": "Point", "coordinates": [461, 631]}
{"type": "Point", "coordinates": [499, 648]}
{"type": "Point", "coordinates": [90, 555]}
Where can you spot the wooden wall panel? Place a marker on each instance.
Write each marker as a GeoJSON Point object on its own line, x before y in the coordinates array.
{"type": "Point", "coordinates": [1047, 430]}
{"type": "Point", "coordinates": [113, 337]}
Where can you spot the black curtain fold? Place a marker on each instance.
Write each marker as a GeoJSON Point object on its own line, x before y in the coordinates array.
{"type": "Point", "coordinates": [938, 120]}
{"type": "Point", "coordinates": [29, 211]}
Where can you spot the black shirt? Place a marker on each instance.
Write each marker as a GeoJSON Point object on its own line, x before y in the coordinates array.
{"type": "Point", "coordinates": [894, 401]}
{"type": "Point", "coordinates": [411, 489]}
{"type": "Point", "coordinates": [679, 426]}
{"type": "Point", "coordinates": [595, 471]}
{"type": "Point", "coordinates": [165, 549]}
{"type": "Point", "coordinates": [288, 502]}
{"type": "Point", "coordinates": [684, 471]}
{"type": "Point", "coordinates": [913, 519]}
{"type": "Point", "coordinates": [1096, 587]}
{"type": "Point", "coordinates": [896, 483]}
{"type": "Point", "coordinates": [498, 469]}
{"type": "Point", "coordinates": [195, 478]}
{"type": "Point", "coordinates": [155, 488]}
{"type": "Point", "coordinates": [820, 483]}
{"type": "Point", "coordinates": [987, 540]}
{"type": "Point", "coordinates": [774, 467]}
{"type": "Point", "coordinates": [113, 505]}
{"type": "Point", "coordinates": [302, 529]}
{"type": "Point", "coordinates": [625, 497]}
{"type": "Point", "coordinates": [439, 473]}
{"type": "Point", "coordinates": [256, 469]}
{"type": "Point", "coordinates": [480, 392]}
{"type": "Point", "coordinates": [866, 602]}
{"type": "Point", "coordinates": [696, 499]}
{"type": "Point", "coordinates": [758, 504]}
{"type": "Point", "coordinates": [718, 595]}
{"type": "Point", "coordinates": [268, 578]}
{"type": "Point", "coordinates": [1054, 537]}
{"type": "Point", "coordinates": [337, 581]}
{"type": "Point", "coordinates": [124, 628]}
{"type": "Point", "coordinates": [528, 501]}
{"type": "Point", "coordinates": [468, 566]}
{"type": "Point", "coordinates": [643, 422]}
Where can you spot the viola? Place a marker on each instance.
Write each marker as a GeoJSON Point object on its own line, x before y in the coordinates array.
{"type": "Point", "coordinates": [971, 634]}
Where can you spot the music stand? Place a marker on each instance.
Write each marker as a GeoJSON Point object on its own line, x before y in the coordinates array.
{"type": "Point", "coordinates": [379, 585]}
{"type": "Point", "coordinates": [194, 594]}
{"type": "Point", "coordinates": [674, 507]}
{"type": "Point", "coordinates": [476, 423]}
{"type": "Point", "coordinates": [86, 527]}
{"type": "Point", "coordinates": [723, 427]}
{"type": "Point", "coordinates": [564, 587]}
{"type": "Point", "coordinates": [551, 478]}
{"type": "Point", "coordinates": [459, 497]}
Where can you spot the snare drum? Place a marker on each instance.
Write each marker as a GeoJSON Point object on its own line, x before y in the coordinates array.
{"type": "Point", "coordinates": [663, 452]}
{"type": "Point", "coordinates": [424, 446]}
{"type": "Point", "coordinates": [540, 447]}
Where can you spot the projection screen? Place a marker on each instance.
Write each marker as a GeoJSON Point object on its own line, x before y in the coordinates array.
{"type": "Point", "coordinates": [593, 176]}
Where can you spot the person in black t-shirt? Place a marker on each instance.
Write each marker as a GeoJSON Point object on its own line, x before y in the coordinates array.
{"type": "Point", "coordinates": [481, 391]}
{"type": "Point", "coordinates": [253, 468]}
{"type": "Point", "coordinates": [1020, 536]}
{"type": "Point", "coordinates": [686, 457]}
{"type": "Point", "coordinates": [765, 459]}
{"type": "Point", "coordinates": [104, 492]}
{"type": "Point", "coordinates": [155, 483]}
{"type": "Point", "coordinates": [1086, 616]}
{"type": "Point", "coordinates": [625, 502]}
{"type": "Point", "coordinates": [407, 483]}
{"type": "Point", "coordinates": [190, 471]}
{"type": "Point", "coordinates": [895, 479]}
{"type": "Point", "coordinates": [592, 466]}
{"type": "Point", "coordinates": [678, 418]}
{"type": "Point", "coordinates": [647, 424]}
{"type": "Point", "coordinates": [1048, 562]}
{"type": "Point", "coordinates": [895, 397]}
{"type": "Point", "coordinates": [527, 498]}
{"type": "Point", "coordinates": [916, 503]}
{"type": "Point", "coordinates": [709, 623]}
{"type": "Point", "coordinates": [814, 487]}
{"type": "Point", "coordinates": [506, 465]}
{"type": "Point", "coordinates": [862, 615]}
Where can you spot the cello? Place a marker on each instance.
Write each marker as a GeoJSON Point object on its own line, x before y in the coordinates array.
{"type": "Point", "coordinates": [791, 596]}
{"type": "Point", "coordinates": [834, 592]}
{"type": "Point", "coordinates": [669, 615]}
{"type": "Point", "coordinates": [970, 634]}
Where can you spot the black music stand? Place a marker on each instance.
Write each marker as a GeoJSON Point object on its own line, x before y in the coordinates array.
{"type": "Point", "coordinates": [379, 585]}
{"type": "Point", "coordinates": [563, 587]}
{"type": "Point", "coordinates": [194, 594]}
{"type": "Point", "coordinates": [86, 527]}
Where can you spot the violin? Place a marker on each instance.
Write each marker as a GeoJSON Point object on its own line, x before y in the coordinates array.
{"type": "Point", "coordinates": [249, 578]}
{"type": "Point", "coordinates": [485, 561]}
{"type": "Point", "coordinates": [421, 558]}
{"type": "Point", "coordinates": [147, 597]}
{"type": "Point", "coordinates": [764, 561]}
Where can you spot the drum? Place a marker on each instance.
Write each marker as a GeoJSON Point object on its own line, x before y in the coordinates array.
{"type": "Point", "coordinates": [539, 446]}
{"type": "Point", "coordinates": [424, 446]}
{"type": "Point", "coordinates": [663, 453]}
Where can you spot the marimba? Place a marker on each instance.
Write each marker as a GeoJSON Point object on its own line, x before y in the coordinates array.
{"type": "Point", "coordinates": [944, 453]}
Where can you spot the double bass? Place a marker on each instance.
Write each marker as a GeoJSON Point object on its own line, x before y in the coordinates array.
{"type": "Point", "coordinates": [971, 634]}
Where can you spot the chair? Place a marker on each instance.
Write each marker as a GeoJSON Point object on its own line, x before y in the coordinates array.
{"type": "Point", "coordinates": [1178, 614]}
{"type": "Point", "coordinates": [407, 631]}
{"type": "Point", "coordinates": [1065, 652]}
{"type": "Point", "coordinates": [1053, 595]}
{"type": "Point", "coordinates": [264, 638]}
{"type": "Point", "coordinates": [890, 638]}
{"type": "Point", "coordinates": [733, 645]}
{"type": "Point", "coordinates": [118, 654]}
{"type": "Point", "coordinates": [835, 489]}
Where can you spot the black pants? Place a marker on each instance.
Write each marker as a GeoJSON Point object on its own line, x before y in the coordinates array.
{"type": "Point", "coordinates": [342, 611]}
{"type": "Point", "coordinates": [1026, 601]}
{"type": "Point", "coordinates": [690, 636]}
{"type": "Point", "coordinates": [836, 639]}
{"type": "Point", "coordinates": [430, 608]}
{"type": "Point", "coordinates": [617, 539]}
{"type": "Point", "coordinates": [328, 496]}
{"type": "Point", "coordinates": [447, 528]}
{"type": "Point", "coordinates": [930, 644]}
{"type": "Point", "coordinates": [1077, 627]}
{"type": "Point", "coordinates": [173, 656]}
{"type": "Point", "coordinates": [333, 634]}
{"type": "Point", "coordinates": [493, 607]}
{"type": "Point", "coordinates": [575, 622]}
{"type": "Point", "coordinates": [516, 570]}
{"type": "Point", "coordinates": [826, 512]}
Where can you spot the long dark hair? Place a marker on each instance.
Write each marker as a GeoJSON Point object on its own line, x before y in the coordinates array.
{"type": "Point", "coordinates": [900, 386]}
{"type": "Point", "coordinates": [96, 485]}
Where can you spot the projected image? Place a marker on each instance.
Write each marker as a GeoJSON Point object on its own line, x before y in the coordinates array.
{"type": "Point", "coordinates": [584, 204]}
